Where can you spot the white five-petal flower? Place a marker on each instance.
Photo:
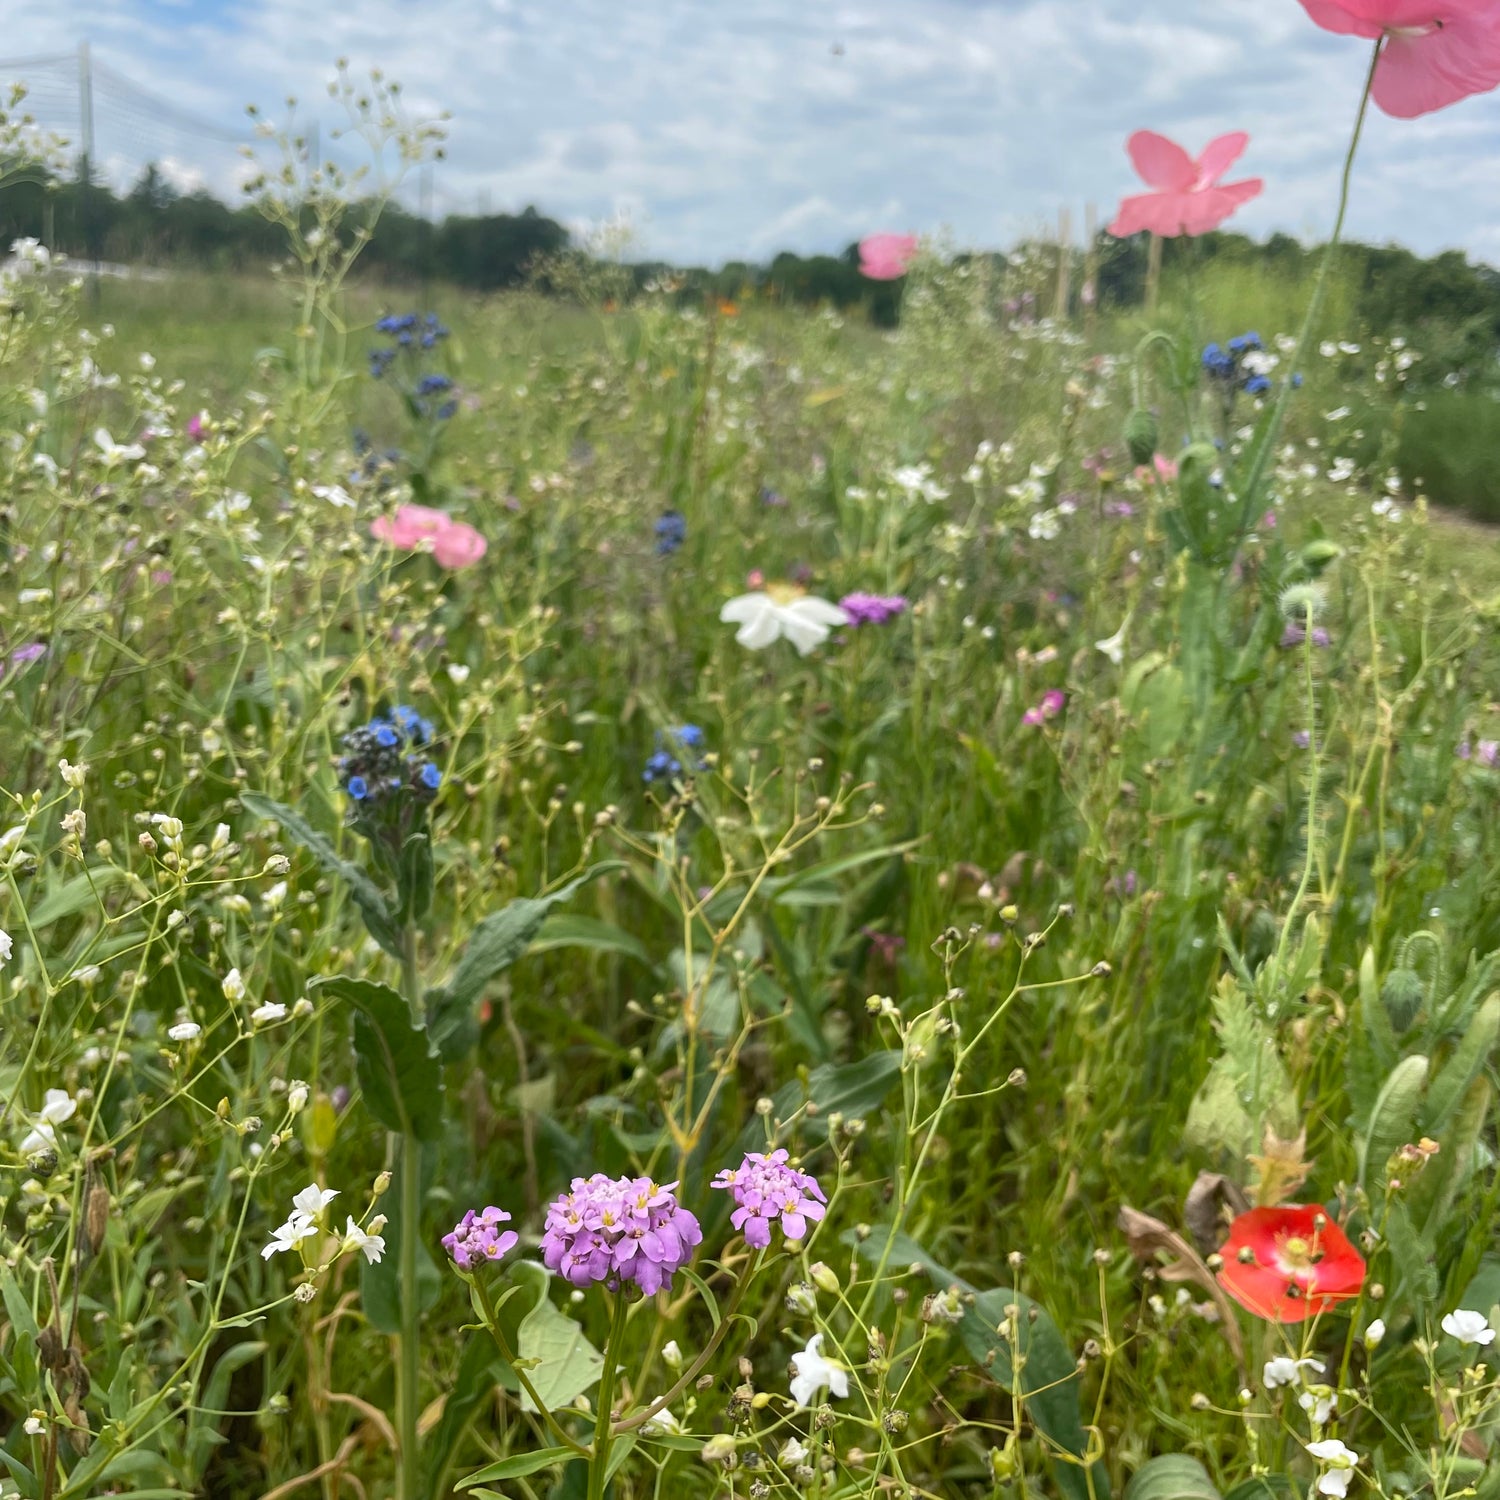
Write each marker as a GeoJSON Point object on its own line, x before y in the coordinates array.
{"type": "Point", "coordinates": [1283, 1370]}
{"type": "Point", "coordinates": [1468, 1327]}
{"type": "Point", "coordinates": [184, 1031]}
{"type": "Point", "coordinates": [768, 615]}
{"type": "Point", "coordinates": [312, 1200]}
{"type": "Point", "coordinates": [1340, 1461]}
{"type": "Point", "coordinates": [814, 1374]}
{"type": "Point", "coordinates": [373, 1247]}
{"type": "Point", "coordinates": [289, 1235]}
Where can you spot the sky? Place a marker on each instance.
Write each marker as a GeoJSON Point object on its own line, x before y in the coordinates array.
{"type": "Point", "coordinates": [731, 129]}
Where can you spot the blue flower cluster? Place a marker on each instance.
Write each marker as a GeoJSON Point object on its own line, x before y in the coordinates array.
{"type": "Point", "coordinates": [1225, 364]}
{"type": "Point", "coordinates": [671, 532]}
{"type": "Point", "coordinates": [414, 336]}
{"type": "Point", "coordinates": [684, 741]}
{"type": "Point", "coordinates": [374, 466]}
{"type": "Point", "coordinates": [384, 758]}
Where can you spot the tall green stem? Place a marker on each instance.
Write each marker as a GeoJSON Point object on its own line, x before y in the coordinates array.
{"type": "Point", "coordinates": [1267, 445]}
{"type": "Point", "coordinates": [603, 1431]}
{"type": "Point", "coordinates": [408, 1396]}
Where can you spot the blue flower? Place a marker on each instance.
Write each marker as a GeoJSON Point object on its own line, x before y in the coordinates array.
{"type": "Point", "coordinates": [661, 767]}
{"type": "Point", "coordinates": [689, 735]}
{"type": "Point", "coordinates": [1257, 385]}
{"type": "Point", "coordinates": [358, 788]}
{"type": "Point", "coordinates": [384, 733]}
{"type": "Point", "coordinates": [671, 532]}
{"type": "Point", "coordinates": [430, 385]}
{"type": "Point", "coordinates": [430, 776]}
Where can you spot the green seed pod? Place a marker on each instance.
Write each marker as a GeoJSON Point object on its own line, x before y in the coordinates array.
{"type": "Point", "coordinates": [1142, 434]}
{"type": "Point", "coordinates": [1402, 994]}
{"type": "Point", "coordinates": [1316, 555]}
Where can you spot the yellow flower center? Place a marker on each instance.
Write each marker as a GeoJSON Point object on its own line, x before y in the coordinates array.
{"type": "Point", "coordinates": [784, 593]}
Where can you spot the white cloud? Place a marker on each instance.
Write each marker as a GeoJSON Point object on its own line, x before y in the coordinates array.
{"type": "Point", "coordinates": [730, 130]}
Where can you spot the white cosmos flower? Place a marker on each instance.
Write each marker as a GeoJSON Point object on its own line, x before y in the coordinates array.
{"type": "Point", "coordinates": [814, 1374]}
{"type": "Point", "coordinates": [1468, 1327]}
{"type": "Point", "coordinates": [764, 617]}
{"type": "Point", "coordinates": [373, 1246]}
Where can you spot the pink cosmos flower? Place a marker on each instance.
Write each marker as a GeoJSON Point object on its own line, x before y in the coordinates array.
{"type": "Point", "coordinates": [1436, 51]}
{"type": "Point", "coordinates": [410, 525]}
{"type": "Point", "coordinates": [1188, 198]}
{"type": "Point", "coordinates": [885, 257]}
{"type": "Point", "coordinates": [459, 546]}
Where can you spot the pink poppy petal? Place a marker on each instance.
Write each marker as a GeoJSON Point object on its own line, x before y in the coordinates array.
{"type": "Point", "coordinates": [1161, 163]}
{"type": "Point", "coordinates": [1220, 155]}
{"type": "Point", "coordinates": [1348, 17]}
{"type": "Point", "coordinates": [1420, 74]}
{"type": "Point", "coordinates": [459, 546]}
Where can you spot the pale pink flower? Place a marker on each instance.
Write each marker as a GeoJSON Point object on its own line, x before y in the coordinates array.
{"type": "Point", "coordinates": [459, 546]}
{"type": "Point", "coordinates": [1436, 52]}
{"type": "Point", "coordinates": [885, 257]}
{"type": "Point", "coordinates": [1189, 198]}
{"type": "Point", "coordinates": [411, 525]}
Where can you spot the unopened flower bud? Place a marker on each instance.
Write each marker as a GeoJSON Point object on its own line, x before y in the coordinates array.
{"type": "Point", "coordinates": [824, 1278]}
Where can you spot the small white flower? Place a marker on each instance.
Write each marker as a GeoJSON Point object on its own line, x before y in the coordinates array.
{"type": "Point", "coordinates": [34, 1425]}
{"type": "Point", "coordinates": [764, 617]}
{"type": "Point", "coordinates": [88, 975]}
{"type": "Point", "coordinates": [458, 672]}
{"type": "Point", "coordinates": [233, 986]}
{"type": "Point", "coordinates": [1283, 1370]}
{"type": "Point", "coordinates": [335, 494]}
{"type": "Point", "coordinates": [671, 1355]}
{"type": "Point", "coordinates": [1319, 1404]}
{"type": "Point", "coordinates": [814, 1373]}
{"type": "Point", "coordinates": [6, 946]}
{"type": "Point", "coordinates": [372, 1245]}
{"type": "Point", "coordinates": [72, 774]}
{"type": "Point", "coordinates": [1468, 1327]}
{"type": "Point", "coordinates": [289, 1235]}
{"type": "Point", "coordinates": [114, 453]}
{"type": "Point", "coordinates": [34, 596]}
{"type": "Point", "coordinates": [184, 1031]}
{"type": "Point", "coordinates": [312, 1200]}
{"type": "Point", "coordinates": [272, 1010]}
{"type": "Point", "coordinates": [1114, 646]}
{"type": "Point", "coordinates": [220, 840]}
{"type": "Point", "coordinates": [76, 823]}
{"type": "Point", "coordinates": [664, 1422]}
{"type": "Point", "coordinates": [296, 1096]}
{"type": "Point", "coordinates": [1333, 1453]}
{"type": "Point", "coordinates": [793, 1452]}
{"type": "Point", "coordinates": [275, 895]}
{"type": "Point", "coordinates": [58, 1105]}
{"type": "Point", "coordinates": [1374, 1333]}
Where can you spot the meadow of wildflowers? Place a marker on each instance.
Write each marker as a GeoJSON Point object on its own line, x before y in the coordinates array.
{"type": "Point", "coordinates": [721, 903]}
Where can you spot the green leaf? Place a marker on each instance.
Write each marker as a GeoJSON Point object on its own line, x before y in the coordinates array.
{"type": "Point", "coordinates": [367, 896]}
{"type": "Point", "coordinates": [1262, 1487]}
{"type": "Point", "coordinates": [380, 1283]}
{"type": "Point", "coordinates": [503, 936]}
{"type": "Point", "coordinates": [1173, 1476]}
{"type": "Point", "coordinates": [566, 1365]}
{"type": "Point", "coordinates": [1412, 1256]}
{"type": "Point", "coordinates": [1465, 1065]}
{"type": "Point", "coordinates": [855, 1090]}
{"type": "Point", "coordinates": [414, 878]}
{"type": "Point", "coordinates": [518, 1465]}
{"type": "Point", "coordinates": [478, 1375]}
{"type": "Point", "coordinates": [1393, 1121]}
{"type": "Point", "coordinates": [565, 930]}
{"type": "Point", "coordinates": [398, 1071]}
{"type": "Point", "coordinates": [73, 896]}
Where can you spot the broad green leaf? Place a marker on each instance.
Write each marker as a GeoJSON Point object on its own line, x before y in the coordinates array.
{"type": "Point", "coordinates": [1393, 1121]}
{"type": "Point", "coordinates": [372, 904]}
{"type": "Point", "coordinates": [855, 1090]}
{"type": "Point", "coordinates": [1173, 1476]}
{"type": "Point", "coordinates": [398, 1071]}
{"type": "Point", "coordinates": [503, 936]}
{"type": "Point", "coordinates": [81, 893]}
{"type": "Point", "coordinates": [566, 1366]}
{"type": "Point", "coordinates": [1461, 1069]}
{"type": "Point", "coordinates": [380, 1283]}
{"type": "Point", "coordinates": [565, 930]}
{"type": "Point", "coordinates": [414, 878]}
{"type": "Point", "coordinates": [518, 1465]}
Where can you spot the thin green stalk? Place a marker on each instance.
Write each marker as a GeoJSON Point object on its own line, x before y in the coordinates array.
{"type": "Point", "coordinates": [408, 1396]}
{"type": "Point", "coordinates": [1267, 445]}
{"type": "Point", "coordinates": [603, 1433]}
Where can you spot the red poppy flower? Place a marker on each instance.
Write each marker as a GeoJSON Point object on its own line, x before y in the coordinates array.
{"type": "Point", "coordinates": [1287, 1264]}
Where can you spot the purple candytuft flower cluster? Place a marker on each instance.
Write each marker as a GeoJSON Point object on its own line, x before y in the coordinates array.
{"type": "Point", "coordinates": [768, 1188]}
{"type": "Point", "coordinates": [872, 609]}
{"type": "Point", "coordinates": [477, 1237]}
{"type": "Point", "coordinates": [619, 1229]}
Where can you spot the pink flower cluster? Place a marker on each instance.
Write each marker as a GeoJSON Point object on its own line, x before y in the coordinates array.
{"type": "Point", "coordinates": [886, 257]}
{"type": "Point", "coordinates": [768, 1188]}
{"type": "Point", "coordinates": [872, 609]}
{"type": "Point", "coordinates": [455, 544]}
{"type": "Point", "coordinates": [1053, 702]}
{"type": "Point", "coordinates": [478, 1237]}
{"type": "Point", "coordinates": [619, 1229]}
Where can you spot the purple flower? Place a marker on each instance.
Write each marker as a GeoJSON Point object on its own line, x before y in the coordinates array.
{"type": "Point", "coordinates": [619, 1229]}
{"type": "Point", "coordinates": [1121, 509]}
{"type": "Point", "coordinates": [1294, 635]}
{"type": "Point", "coordinates": [872, 609]}
{"type": "Point", "coordinates": [1486, 752]}
{"type": "Point", "coordinates": [1301, 738]}
{"type": "Point", "coordinates": [24, 655]}
{"type": "Point", "coordinates": [477, 1237]}
{"type": "Point", "coordinates": [768, 1188]}
{"type": "Point", "coordinates": [1051, 705]}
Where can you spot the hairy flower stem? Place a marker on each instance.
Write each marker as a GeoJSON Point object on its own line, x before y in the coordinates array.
{"type": "Point", "coordinates": [408, 1396]}
{"type": "Point", "coordinates": [603, 1433]}
{"type": "Point", "coordinates": [1249, 503]}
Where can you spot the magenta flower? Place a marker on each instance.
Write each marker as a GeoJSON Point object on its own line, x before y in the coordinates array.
{"type": "Point", "coordinates": [477, 1237]}
{"type": "Point", "coordinates": [1435, 52]}
{"type": "Point", "coordinates": [1189, 198]}
{"type": "Point", "coordinates": [1295, 635]}
{"type": "Point", "coordinates": [885, 257]}
{"type": "Point", "coordinates": [768, 1188]}
{"type": "Point", "coordinates": [619, 1229]}
{"type": "Point", "coordinates": [197, 426]}
{"type": "Point", "coordinates": [1052, 704]}
{"type": "Point", "coordinates": [872, 609]}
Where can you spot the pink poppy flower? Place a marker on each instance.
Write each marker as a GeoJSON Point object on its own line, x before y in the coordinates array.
{"type": "Point", "coordinates": [411, 525]}
{"type": "Point", "coordinates": [1189, 198]}
{"type": "Point", "coordinates": [459, 545]}
{"type": "Point", "coordinates": [1436, 51]}
{"type": "Point", "coordinates": [885, 257]}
